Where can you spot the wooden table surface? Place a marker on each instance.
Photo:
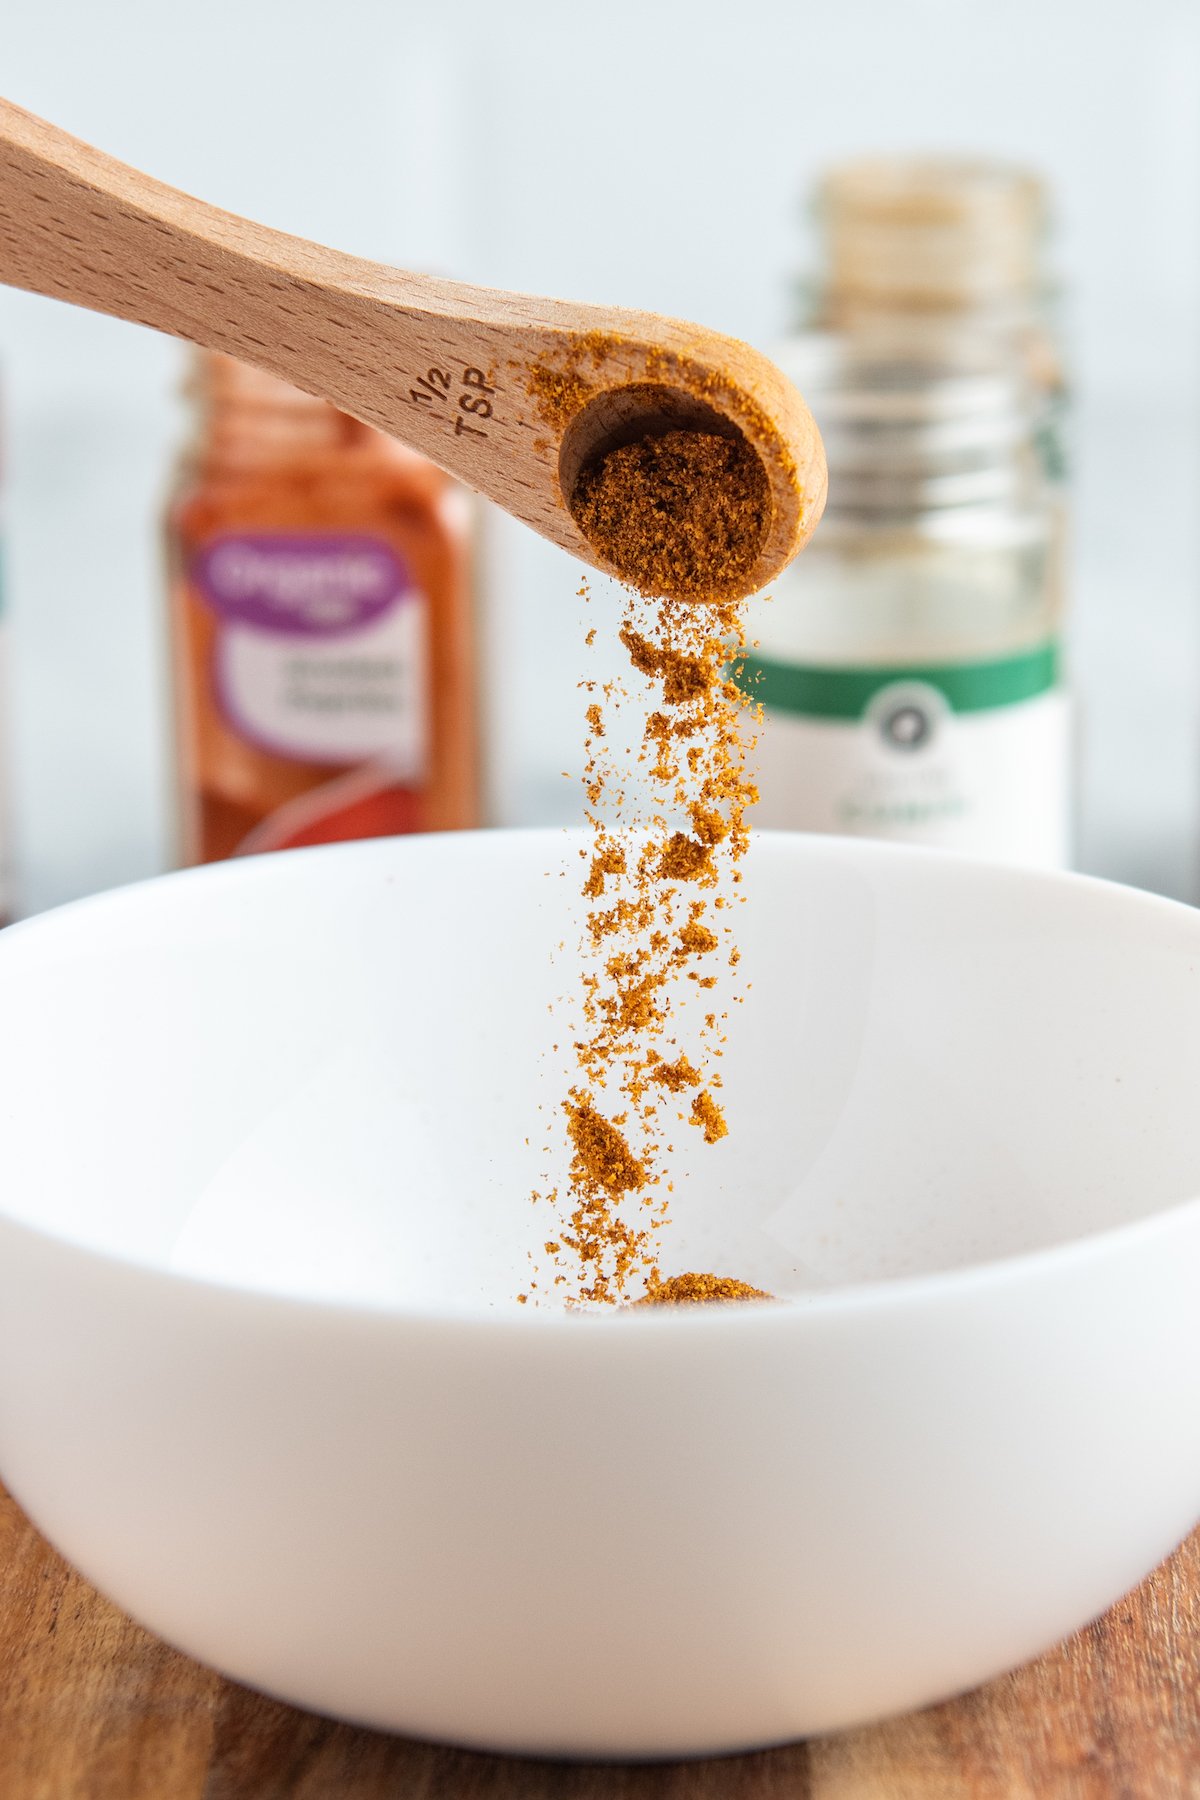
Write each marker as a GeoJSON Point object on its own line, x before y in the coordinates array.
{"type": "Point", "coordinates": [93, 1708]}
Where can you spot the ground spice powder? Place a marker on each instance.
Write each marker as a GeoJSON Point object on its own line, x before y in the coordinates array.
{"type": "Point", "coordinates": [682, 514]}
{"type": "Point", "coordinates": [679, 513]}
{"type": "Point", "coordinates": [691, 1290]}
{"type": "Point", "coordinates": [661, 886]}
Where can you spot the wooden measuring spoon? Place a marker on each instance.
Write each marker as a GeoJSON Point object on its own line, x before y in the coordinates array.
{"type": "Point", "coordinates": [514, 395]}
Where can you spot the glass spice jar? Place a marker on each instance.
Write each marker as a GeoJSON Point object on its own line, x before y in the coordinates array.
{"type": "Point", "coordinates": [322, 628]}
{"type": "Point", "coordinates": [940, 260]}
{"type": "Point", "coordinates": [910, 663]}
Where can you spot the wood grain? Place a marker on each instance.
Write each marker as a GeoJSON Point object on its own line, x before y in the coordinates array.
{"type": "Point", "coordinates": [439, 364]}
{"type": "Point", "coordinates": [93, 1708]}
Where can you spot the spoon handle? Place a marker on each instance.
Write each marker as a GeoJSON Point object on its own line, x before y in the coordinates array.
{"type": "Point", "coordinates": [441, 365]}
{"type": "Point", "coordinates": [77, 225]}
{"type": "Point", "coordinates": [415, 356]}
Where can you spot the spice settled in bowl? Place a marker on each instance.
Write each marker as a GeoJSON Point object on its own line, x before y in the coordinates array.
{"type": "Point", "coordinates": [698, 1290]}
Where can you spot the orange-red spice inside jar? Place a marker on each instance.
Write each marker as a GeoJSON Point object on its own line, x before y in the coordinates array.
{"type": "Point", "coordinates": [322, 627]}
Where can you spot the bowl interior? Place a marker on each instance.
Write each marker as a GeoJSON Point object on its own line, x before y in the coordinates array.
{"type": "Point", "coordinates": [331, 1074]}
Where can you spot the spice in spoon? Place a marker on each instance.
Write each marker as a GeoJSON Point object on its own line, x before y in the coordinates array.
{"type": "Point", "coordinates": [684, 513]}
{"type": "Point", "coordinates": [671, 495]}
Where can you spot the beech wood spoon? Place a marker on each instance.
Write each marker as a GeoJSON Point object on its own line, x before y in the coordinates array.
{"type": "Point", "coordinates": [511, 394]}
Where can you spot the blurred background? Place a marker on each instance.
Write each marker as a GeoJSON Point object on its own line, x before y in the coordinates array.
{"type": "Point", "coordinates": [658, 156]}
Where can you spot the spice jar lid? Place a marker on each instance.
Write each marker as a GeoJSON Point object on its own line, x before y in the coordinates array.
{"type": "Point", "coordinates": [930, 231]}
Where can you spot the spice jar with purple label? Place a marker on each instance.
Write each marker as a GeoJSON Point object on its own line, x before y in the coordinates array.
{"type": "Point", "coordinates": [322, 629]}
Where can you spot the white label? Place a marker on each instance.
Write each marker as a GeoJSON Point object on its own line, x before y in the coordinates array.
{"type": "Point", "coordinates": [321, 646]}
{"type": "Point", "coordinates": [332, 699]}
{"type": "Point", "coordinates": [994, 783]}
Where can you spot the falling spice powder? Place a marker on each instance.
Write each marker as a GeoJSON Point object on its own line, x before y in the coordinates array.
{"type": "Point", "coordinates": [685, 511]}
{"type": "Point", "coordinates": [660, 889]}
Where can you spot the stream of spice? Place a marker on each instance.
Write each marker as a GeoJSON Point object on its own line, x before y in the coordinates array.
{"type": "Point", "coordinates": [661, 886]}
{"type": "Point", "coordinates": [680, 513]}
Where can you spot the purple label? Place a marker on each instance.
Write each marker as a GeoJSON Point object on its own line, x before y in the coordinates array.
{"type": "Point", "coordinates": [303, 585]}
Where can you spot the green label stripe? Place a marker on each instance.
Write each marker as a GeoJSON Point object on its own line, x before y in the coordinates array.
{"type": "Point", "coordinates": [833, 693]}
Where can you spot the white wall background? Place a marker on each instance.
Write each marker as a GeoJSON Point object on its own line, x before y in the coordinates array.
{"type": "Point", "coordinates": [651, 155]}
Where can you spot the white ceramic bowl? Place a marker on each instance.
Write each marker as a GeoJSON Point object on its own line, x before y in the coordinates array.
{"type": "Point", "coordinates": [265, 1207]}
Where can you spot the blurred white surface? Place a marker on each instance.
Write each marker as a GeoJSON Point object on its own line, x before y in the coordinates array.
{"type": "Point", "coordinates": [648, 156]}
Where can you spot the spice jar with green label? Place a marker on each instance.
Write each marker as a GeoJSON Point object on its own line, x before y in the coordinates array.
{"type": "Point", "coordinates": [910, 668]}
